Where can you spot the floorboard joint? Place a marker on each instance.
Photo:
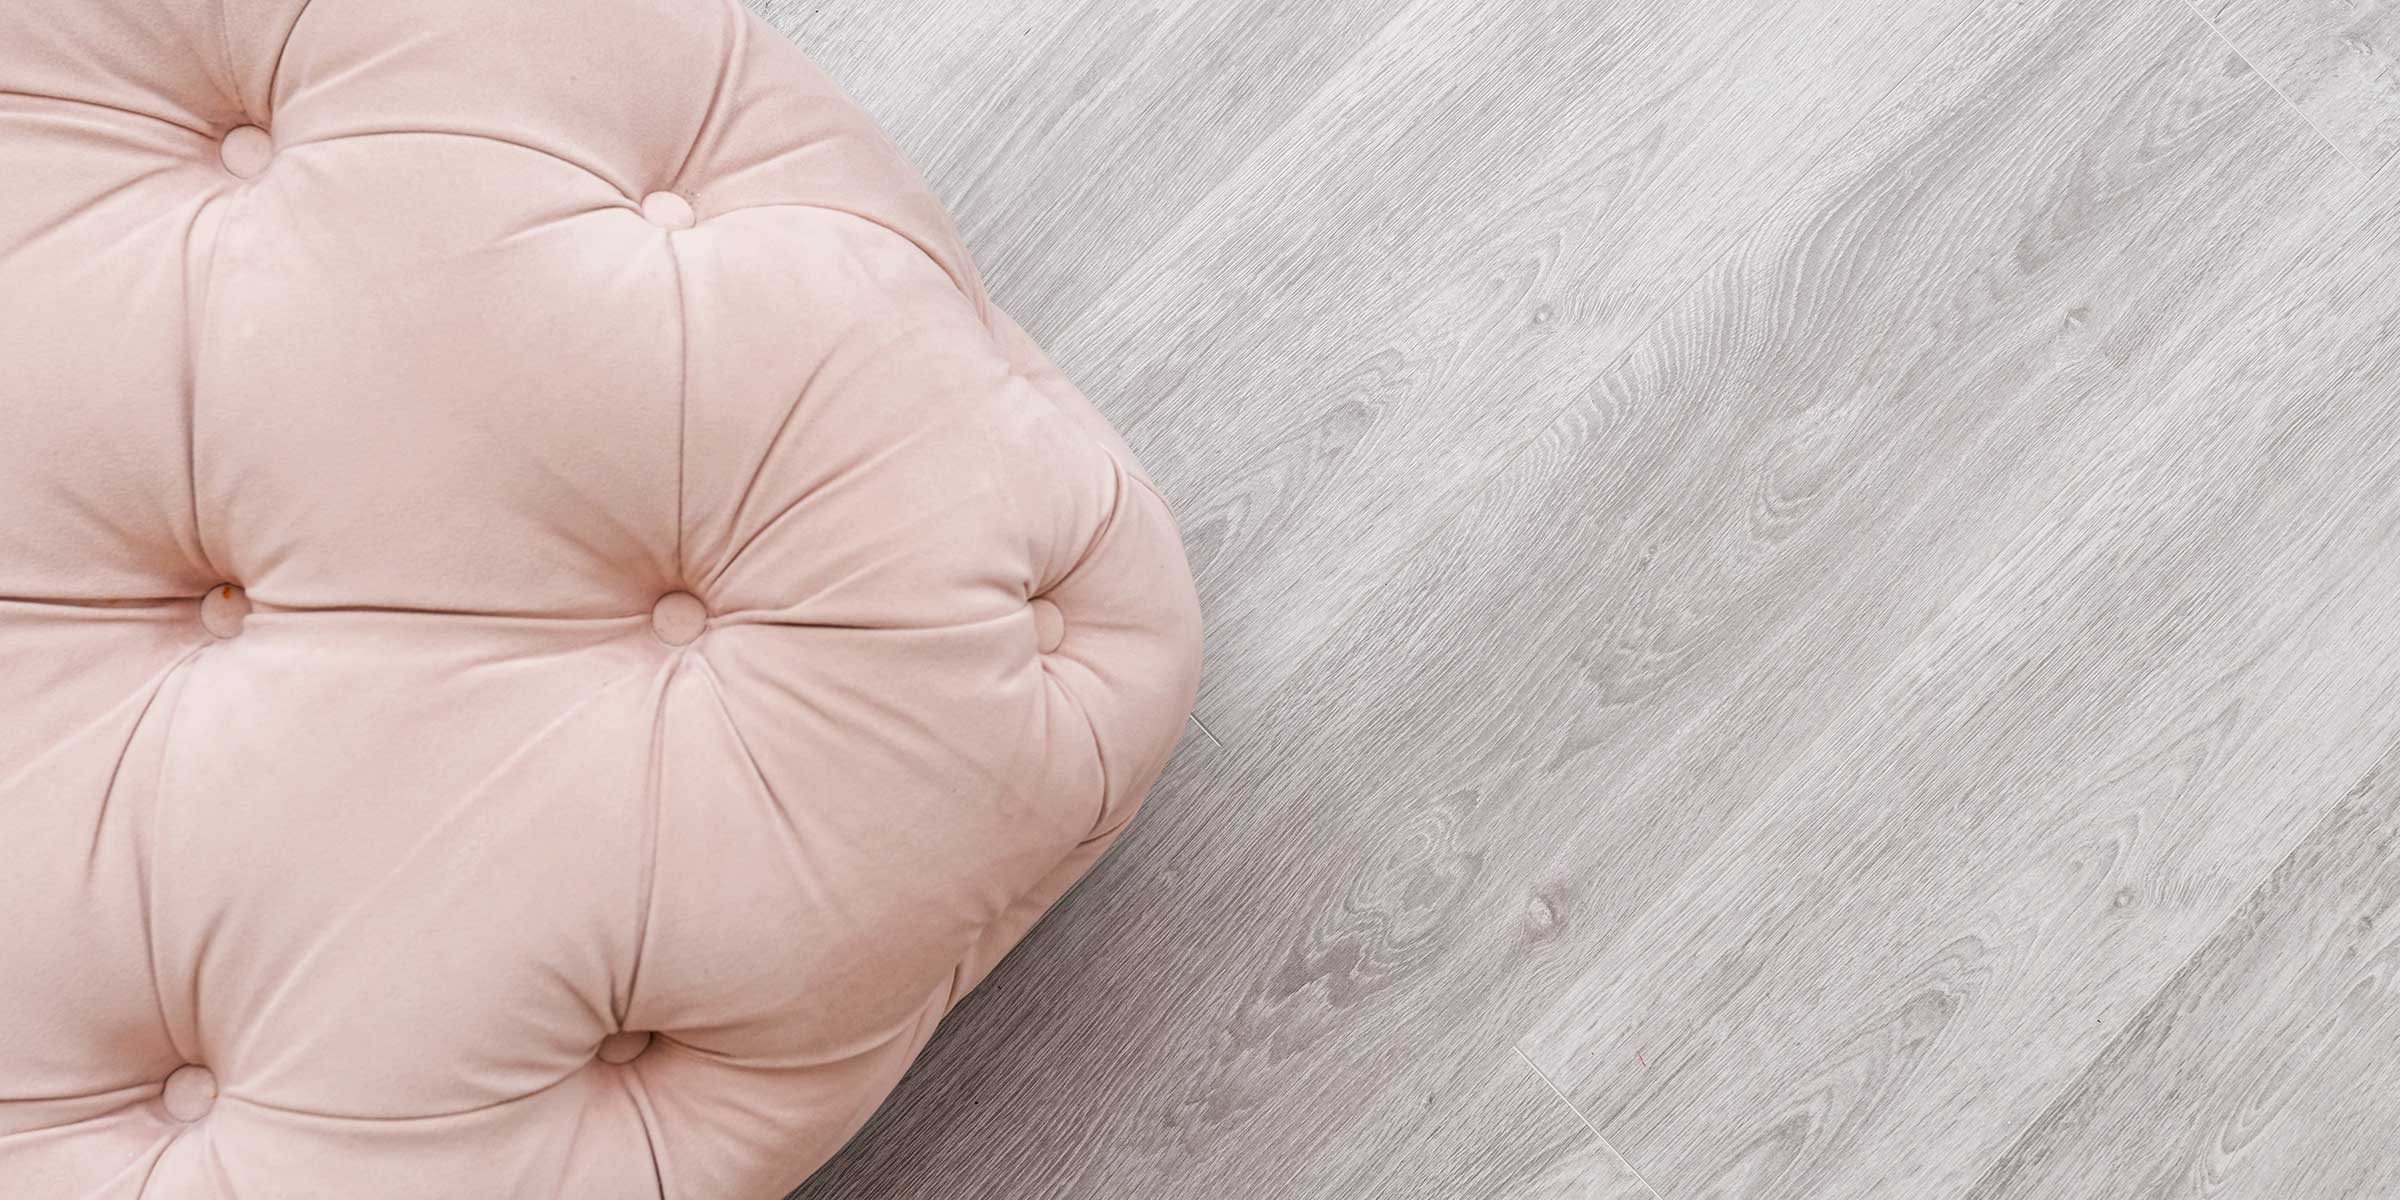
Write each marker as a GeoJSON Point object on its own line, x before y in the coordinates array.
{"type": "Point", "coordinates": [1211, 734]}
{"type": "Point", "coordinates": [1586, 1122]}
{"type": "Point", "coordinates": [2192, 7]}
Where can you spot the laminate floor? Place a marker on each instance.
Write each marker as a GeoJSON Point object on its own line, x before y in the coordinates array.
{"type": "Point", "coordinates": [1804, 598]}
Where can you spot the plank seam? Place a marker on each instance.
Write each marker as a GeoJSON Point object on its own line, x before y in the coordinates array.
{"type": "Point", "coordinates": [1586, 1122]}
{"type": "Point", "coordinates": [2193, 7]}
{"type": "Point", "coordinates": [1211, 734]}
{"type": "Point", "coordinates": [2140, 1014]}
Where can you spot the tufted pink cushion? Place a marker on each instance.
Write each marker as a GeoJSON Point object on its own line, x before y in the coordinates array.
{"type": "Point", "coordinates": [549, 629]}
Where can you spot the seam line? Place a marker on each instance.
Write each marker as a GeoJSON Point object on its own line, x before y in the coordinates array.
{"type": "Point", "coordinates": [2192, 7]}
{"type": "Point", "coordinates": [1211, 734]}
{"type": "Point", "coordinates": [2141, 1015]}
{"type": "Point", "coordinates": [1586, 1122]}
{"type": "Point", "coordinates": [683, 402]}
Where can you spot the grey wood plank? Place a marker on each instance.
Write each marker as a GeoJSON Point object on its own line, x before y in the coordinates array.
{"type": "Point", "coordinates": [1493, 1131]}
{"type": "Point", "coordinates": [1518, 742]}
{"type": "Point", "coordinates": [2337, 61]}
{"type": "Point", "coordinates": [1496, 1132]}
{"type": "Point", "coordinates": [1928, 924]}
{"type": "Point", "coordinates": [1069, 135]}
{"type": "Point", "coordinates": [2269, 1066]}
{"type": "Point", "coordinates": [1389, 298]}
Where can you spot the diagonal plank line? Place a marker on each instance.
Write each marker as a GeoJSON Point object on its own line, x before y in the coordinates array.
{"type": "Point", "coordinates": [1210, 733]}
{"type": "Point", "coordinates": [2193, 7]}
{"type": "Point", "coordinates": [1586, 1122]}
{"type": "Point", "coordinates": [2112, 1055]}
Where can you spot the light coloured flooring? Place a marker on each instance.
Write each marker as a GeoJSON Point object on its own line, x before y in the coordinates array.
{"type": "Point", "coordinates": [1804, 596]}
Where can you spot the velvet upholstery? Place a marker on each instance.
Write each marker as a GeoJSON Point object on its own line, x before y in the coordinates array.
{"type": "Point", "coordinates": [550, 628]}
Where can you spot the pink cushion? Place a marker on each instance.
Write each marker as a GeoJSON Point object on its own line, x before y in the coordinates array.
{"type": "Point", "coordinates": [550, 630]}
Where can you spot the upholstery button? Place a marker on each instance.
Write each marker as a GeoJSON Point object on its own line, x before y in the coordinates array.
{"type": "Point", "coordinates": [1049, 625]}
{"type": "Point", "coordinates": [223, 608]}
{"type": "Point", "coordinates": [668, 210]}
{"type": "Point", "coordinates": [245, 151]}
{"type": "Point", "coordinates": [621, 1048]}
{"type": "Point", "coordinates": [678, 618]}
{"type": "Point", "coordinates": [190, 1092]}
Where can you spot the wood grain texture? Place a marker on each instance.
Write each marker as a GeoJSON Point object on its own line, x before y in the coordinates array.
{"type": "Point", "coordinates": [1484, 1125]}
{"type": "Point", "coordinates": [1501, 1133]}
{"type": "Point", "coordinates": [1928, 923]}
{"type": "Point", "coordinates": [2338, 61]}
{"type": "Point", "coordinates": [1667, 539]}
{"type": "Point", "coordinates": [1069, 136]}
{"type": "Point", "coordinates": [2269, 1066]}
{"type": "Point", "coordinates": [1398, 290]}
